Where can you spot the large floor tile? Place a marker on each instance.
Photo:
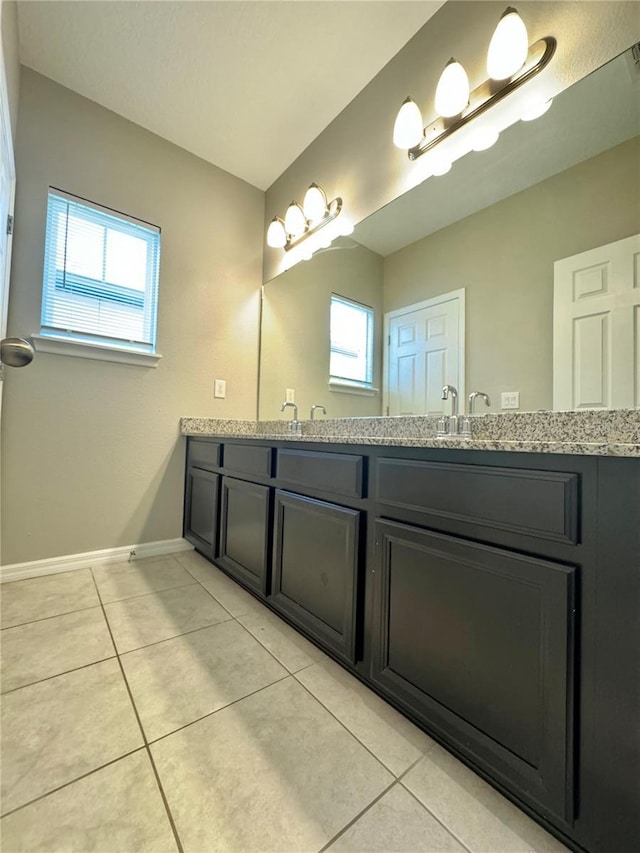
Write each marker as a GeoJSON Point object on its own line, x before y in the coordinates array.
{"type": "Point", "coordinates": [117, 809]}
{"type": "Point", "coordinates": [284, 643]}
{"type": "Point", "coordinates": [51, 595]}
{"type": "Point", "coordinates": [389, 735]}
{"type": "Point", "coordinates": [146, 619]}
{"type": "Point", "coordinates": [59, 729]}
{"type": "Point", "coordinates": [139, 577]}
{"type": "Point", "coordinates": [195, 564]}
{"type": "Point", "coordinates": [180, 680]}
{"type": "Point", "coordinates": [472, 810]}
{"type": "Point", "coordinates": [274, 772]}
{"type": "Point", "coordinates": [397, 823]}
{"type": "Point", "coordinates": [51, 646]}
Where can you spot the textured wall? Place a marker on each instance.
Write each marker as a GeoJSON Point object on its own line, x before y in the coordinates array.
{"type": "Point", "coordinates": [503, 256]}
{"type": "Point", "coordinates": [91, 453]}
{"type": "Point", "coordinates": [355, 158]}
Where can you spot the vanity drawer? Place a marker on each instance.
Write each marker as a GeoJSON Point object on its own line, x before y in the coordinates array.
{"type": "Point", "coordinates": [337, 473]}
{"type": "Point", "coordinates": [247, 459]}
{"type": "Point", "coordinates": [542, 504]}
{"type": "Point", "coordinates": [203, 454]}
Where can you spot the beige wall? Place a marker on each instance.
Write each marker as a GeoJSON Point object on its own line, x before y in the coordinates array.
{"type": "Point", "coordinates": [9, 29]}
{"type": "Point", "coordinates": [295, 332]}
{"type": "Point", "coordinates": [503, 256]}
{"type": "Point", "coordinates": [91, 453]}
{"type": "Point", "coordinates": [355, 158]}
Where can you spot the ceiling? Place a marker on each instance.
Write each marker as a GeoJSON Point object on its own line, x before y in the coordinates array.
{"type": "Point", "coordinates": [245, 85]}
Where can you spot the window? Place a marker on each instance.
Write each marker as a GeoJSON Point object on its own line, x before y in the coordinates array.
{"type": "Point", "coordinates": [100, 277]}
{"type": "Point", "coordinates": [351, 360]}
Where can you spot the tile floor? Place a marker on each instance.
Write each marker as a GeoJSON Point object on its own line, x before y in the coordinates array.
{"type": "Point", "coordinates": [155, 706]}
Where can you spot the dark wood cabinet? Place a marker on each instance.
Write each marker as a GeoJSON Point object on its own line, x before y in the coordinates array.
{"type": "Point", "coordinates": [479, 644]}
{"type": "Point", "coordinates": [202, 491]}
{"type": "Point", "coordinates": [316, 568]}
{"type": "Point", "coordinates": [492, 597]}
{"type": "Point", "coordinates": [245, 532]}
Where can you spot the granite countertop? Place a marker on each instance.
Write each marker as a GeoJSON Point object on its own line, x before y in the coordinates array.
{"type": "Point", "coordinates": [587, 433]}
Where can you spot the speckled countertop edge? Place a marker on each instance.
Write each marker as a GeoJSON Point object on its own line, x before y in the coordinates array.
{"type": "Point", "coordinates": [611, 429]}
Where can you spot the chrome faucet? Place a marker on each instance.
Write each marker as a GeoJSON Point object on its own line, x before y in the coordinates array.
{"type": "Point", "coordinates": [294, 424]}
{"type": "Point", "coordinates": [473, 396]}
{"type": "Point", "coordinates": [313, 410]}
{"type": "Point", "coordinates": [449, 425]}
{"type": "Point", "coordinates": [465, 422]}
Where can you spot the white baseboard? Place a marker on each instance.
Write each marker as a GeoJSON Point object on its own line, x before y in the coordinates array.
{"type": "Point", "coordinates": [54, 565]}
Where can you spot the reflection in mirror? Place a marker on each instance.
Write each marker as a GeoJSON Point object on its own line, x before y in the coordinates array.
{"type": "Point", "coordinates": [494, 227]}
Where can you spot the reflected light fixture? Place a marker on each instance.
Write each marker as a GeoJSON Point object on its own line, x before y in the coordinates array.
{"type": "Point", "coordinates": [510, 62]}
{"type": "Point", "coordinates": [301, 221]}
{"type": "Point", "coordinates": [536, 110]}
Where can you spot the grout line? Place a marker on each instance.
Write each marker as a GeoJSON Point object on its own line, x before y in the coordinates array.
{"type": "Point", "coordinates": [53, 616]}
{"type": "Point", "coordinates": [347, 729]}
{"type": "Point", "coordinates": [58, 674]}
{"type": "Point", "coordinates": [217, 710]}
{"type": "Point", "coordinates": [436, 818]}
{"type": "Point", "coordinates": [143, 594]}
{"type": "Point", "coordinates": [358, 816]}
{"type": "Point", "coordinates": [174, 636]}
{"type": "Point", "coordinates": [72, 782]}
{"type": "Point", "coordinates": [142, 732]}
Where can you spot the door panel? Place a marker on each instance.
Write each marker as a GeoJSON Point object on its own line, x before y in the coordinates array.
{"type": "Point", "coordinates": [316, 568]}
{"type": "Point", "coordinates": [201, 510]}
{"type": "Point", "coordinates": [596, 344]}
{"type": "Point", "coordinates": [244, 532]}
{"type": "Point", "coordinates": [425, 351]}
{"type": "Point", "coordinates": [478, 643]}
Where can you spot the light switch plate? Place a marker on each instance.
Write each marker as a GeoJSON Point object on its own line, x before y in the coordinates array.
{"type": "Point", "coordinates": [510, 399]}
{"type": "Point", "coordinates": [290, 395]}
{"type": "Point", "coordinates": [220, 388]}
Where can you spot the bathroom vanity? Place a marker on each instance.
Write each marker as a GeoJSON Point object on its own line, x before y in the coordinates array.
{"type": "Point", "coordinates": [489, 589]}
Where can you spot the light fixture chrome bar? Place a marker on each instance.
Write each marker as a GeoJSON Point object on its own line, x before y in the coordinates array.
{"type": "Point", "coordinates": [333, 209]}
{"type": "Point", "coordinates": [485, 96]}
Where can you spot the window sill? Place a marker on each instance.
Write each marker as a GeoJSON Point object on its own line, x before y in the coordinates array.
{"type": "Point", "coordinates": [348, 388]}
{"type": "Point", "coordinates": [100, 352]}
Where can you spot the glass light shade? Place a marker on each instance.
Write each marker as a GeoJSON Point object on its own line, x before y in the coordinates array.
{"type": "Point", "coordinates": [508, 47]}
{"type": "Point", "coordinates": [315, 203]}
{"type": "Point", "coordinates": [346, 228]}
{"type": "Point", "coordinates": [276, 234]}
{"type": "Point", "coordinates": [294, 221]}
{"type": "Point", "coordinates": [484, 138]}
{"type": "Point", "coordinates": [452, 91]}
{"type": "Point", "coordinates": [536, 111]}
{"type": "Point", "coordinates": [409, 127]}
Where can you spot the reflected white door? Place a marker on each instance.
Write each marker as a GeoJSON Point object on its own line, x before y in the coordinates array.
{"type": "Point", "coordinates": [425, 350]}
{"type": "Point", "coordinates": [596, 328]}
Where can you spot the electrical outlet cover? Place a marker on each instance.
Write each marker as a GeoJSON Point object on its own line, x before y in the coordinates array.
{"type": "Point", "coordinates": [290, 395]}
{"type": "Point", "coordinates": [220, 388]}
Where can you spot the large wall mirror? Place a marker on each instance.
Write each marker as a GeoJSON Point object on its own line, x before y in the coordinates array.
{"type": "Point", "coordinates": [461, 273]}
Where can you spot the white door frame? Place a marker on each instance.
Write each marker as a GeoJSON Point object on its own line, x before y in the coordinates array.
{"type": "Point", "coordinates": [5, 129]}
{"type": "Point", "coordinates": [453, 295]}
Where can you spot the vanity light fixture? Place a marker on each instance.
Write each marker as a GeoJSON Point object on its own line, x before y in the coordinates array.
{"type": "Point", "coordinates": [510, 64]}
{"type": "Point", "coordinates": [301, 221]}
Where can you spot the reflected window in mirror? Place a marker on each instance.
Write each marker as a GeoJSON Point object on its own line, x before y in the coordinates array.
{"type": "Point", "coordinates": [351, 330]}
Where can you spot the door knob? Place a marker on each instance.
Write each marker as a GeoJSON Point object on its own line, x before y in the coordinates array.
{"type": "Point", "coordinates": [16, 352]}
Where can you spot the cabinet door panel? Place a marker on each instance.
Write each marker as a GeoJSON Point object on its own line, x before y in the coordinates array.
{"type": "Point", "coordinates": [244, 532]}
{"type": "Point", "coordinates": [315, 572]}
{"type": "Point", "coordinates": [201, 510]}
{"type": "Point", "coordinates": [478, 642]}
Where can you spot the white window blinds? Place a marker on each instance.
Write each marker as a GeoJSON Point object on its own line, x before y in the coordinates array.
{"type": "Point", "coordinates": [351, 359]}
{"type": "Point", "coordinates": [100, 275]}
